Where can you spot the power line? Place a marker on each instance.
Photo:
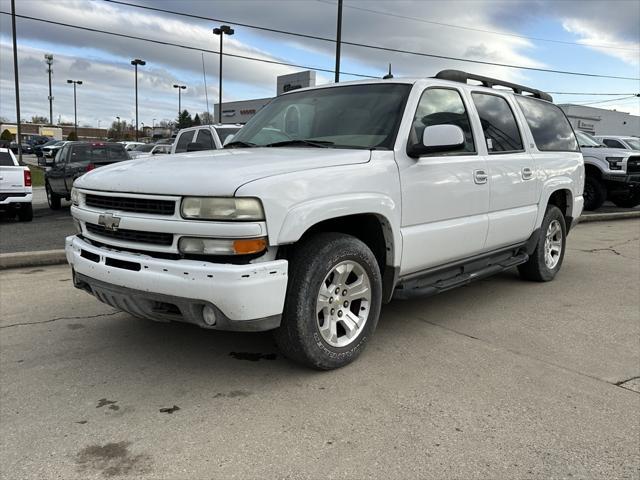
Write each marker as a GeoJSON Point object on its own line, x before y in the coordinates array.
{"type": "Point", "coordinates": [375, 47]}
{"type": "Point", "coordinates": [607, 101]}
{"type": "Point", "coordinates": [188, 47]}
{"type": "Point", "coordinates": [584, 93]}
{"type": "Point", "coordinates": [462, 27]}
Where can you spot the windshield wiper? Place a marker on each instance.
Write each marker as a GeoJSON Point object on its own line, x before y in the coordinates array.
{"type": "Point", "coordinates": [240, 144]}
{"type": "Point", "coordinates": [299, 141]}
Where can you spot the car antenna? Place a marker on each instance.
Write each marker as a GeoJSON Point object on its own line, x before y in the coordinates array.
{"type": "Point", "coordinates": [388, 75]}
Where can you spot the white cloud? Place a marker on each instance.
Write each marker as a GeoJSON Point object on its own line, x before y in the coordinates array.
{"type": "Point", "coordinates": [602, 40]}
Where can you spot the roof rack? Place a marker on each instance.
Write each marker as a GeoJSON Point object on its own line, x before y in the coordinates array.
{"type": "Point", "coordinates": [464, 77]}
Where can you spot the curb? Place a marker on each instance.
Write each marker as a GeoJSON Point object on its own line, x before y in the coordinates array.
{"type": "Point", "coordinates": [603, 217]}
{"type": "Point", "coordinates": [32, 259]}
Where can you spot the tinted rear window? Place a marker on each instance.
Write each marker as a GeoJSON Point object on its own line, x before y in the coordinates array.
{"type": "Point", "coordinates": [549, 126]}
{"type": "Point", "coordinates": [223, 133]}
{"type": "Point", "coordinates": [6, 160]}
{"type": "Point", "coordinates": [117, 153]}
{"type": "Point", "coordinates": [498, 123]}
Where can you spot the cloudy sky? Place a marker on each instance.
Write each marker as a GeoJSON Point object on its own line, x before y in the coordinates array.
{"type": "Point", "coordinates": [600, 37]}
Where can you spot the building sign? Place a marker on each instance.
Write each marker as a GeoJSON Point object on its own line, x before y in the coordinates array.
{"type": "Point", "coordinates": [586, 126]}
{"type": "Point", "coordinates": [294, 81]}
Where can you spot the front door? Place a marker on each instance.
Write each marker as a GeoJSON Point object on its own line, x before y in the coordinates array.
{"type": "Point", "coordinates": [445, 197]}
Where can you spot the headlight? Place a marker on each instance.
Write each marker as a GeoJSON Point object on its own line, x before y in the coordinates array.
{"type": "Point", "coordinates": [615, 163]}
{"type": "Point", "coordinates": [75, 197]}
{"type": "Point", "coordinates": [221, 246]}
{"type": "Point", "coordinates": [222, 208]}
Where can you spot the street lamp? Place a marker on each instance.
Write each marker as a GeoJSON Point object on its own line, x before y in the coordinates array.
{"type": "Point", "coordinates": [135, 63]}
{"type": "Point", "coordinates": [224, 29]}
{"type": "Point", "coordinates": [180, 88]}
{"type": "Point", "coordinates": [75, 109]}
{"type": "Point", "coordinates": [48, 58]}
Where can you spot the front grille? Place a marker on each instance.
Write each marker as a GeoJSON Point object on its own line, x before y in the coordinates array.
{"type": "Point", "coordinates": [129, 204]}
{"type": "Point", "coordinates": [154, 238]}
{"type": "Point", "coordinates": [633, 165]}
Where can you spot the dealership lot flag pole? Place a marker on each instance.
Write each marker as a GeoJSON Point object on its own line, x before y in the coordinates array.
{"type": "Point", "coordinates": [15, 75]}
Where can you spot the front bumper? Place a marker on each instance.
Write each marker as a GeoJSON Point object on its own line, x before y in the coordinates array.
{"type": "Point", "coordinates": [244, 297]}
{"type": "Point", "coordinates": [632, 180]}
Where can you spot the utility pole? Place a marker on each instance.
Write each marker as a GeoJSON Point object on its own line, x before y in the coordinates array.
{"type": "Point", "coordinates": [75, 109]}
{"type": "Point", "coordinates": [15, 75]}
{"type": "Point", "coordinates": [224, 29]}
{"type": "Point", "coordinates": [135, 63]}
{"type": "Point", "coordinates": [338, 41]}
{"type": "Point", "coordinates": [48, 58]}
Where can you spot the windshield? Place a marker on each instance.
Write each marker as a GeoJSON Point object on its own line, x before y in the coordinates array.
{"type": "Point", "coordinates": [353, 116]}
{"type": "Point", "coordinates": [634, 143]}
{"type": "Point", "coordinates": [50, 142]}
{"type": "Point", "coordinates": [586, 140]}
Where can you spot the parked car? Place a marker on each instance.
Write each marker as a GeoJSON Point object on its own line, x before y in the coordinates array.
{"type": "Point", "coordinates": [328, 203]}
{"type": "Point", "coordinates": [37, 149]}
{"type": "Point", "coordinates": [203, 137]}
{"type": "Point", "coordinates": [73, 161]}
{"type": "Point", "coordinates": [129, 146]}
{"type": "Point", "coordinates": [16, 192]}
{"type": "Point", "coordinates": [149, 150]}
{"type": "Point", "coordinates": [51, 151]}
{"type": "Point", "coordinates": [26, 148]}
{"type": "Point", "coordinates": [619, 141]}
{"type": "Point", "coordinates": [612, 173]}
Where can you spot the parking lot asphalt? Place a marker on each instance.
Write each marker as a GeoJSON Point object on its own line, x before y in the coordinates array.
{"type": "Point", "coordinates": [500, 379]}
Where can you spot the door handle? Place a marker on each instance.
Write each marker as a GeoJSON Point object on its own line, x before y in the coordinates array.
{"type": "Point", "coordinates": [527, 173]}
{"type": "Point", "coordinates": [480, 177]}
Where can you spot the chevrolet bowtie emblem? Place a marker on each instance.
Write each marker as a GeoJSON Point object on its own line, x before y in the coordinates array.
{"type": "Point", "coordinates": [109, 221]}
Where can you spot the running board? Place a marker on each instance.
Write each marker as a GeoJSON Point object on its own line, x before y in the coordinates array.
{"type": "Point", "coordinates": [440, 281]}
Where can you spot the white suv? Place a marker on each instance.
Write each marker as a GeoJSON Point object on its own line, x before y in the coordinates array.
{"type": "Point", "coordinates": [328, 203]}
{"type": "Point", "coordinates": [619, 141]}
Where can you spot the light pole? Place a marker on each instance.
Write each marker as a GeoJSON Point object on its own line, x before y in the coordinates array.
{"type": "Point", "coordinates": [75, 109]}
{"type": "Point", "coordinates": [48, 58]}
{"type": "Point", "coordinates": [338, 41]}
{"type": "Point", "coordinates": [180, 88]}
{"type": "Point", "coordinates": [224, 29]}
{"type": "Point", "coordinates": [118, 119]}
{"type": "Point", "coordinates": [135, 63]}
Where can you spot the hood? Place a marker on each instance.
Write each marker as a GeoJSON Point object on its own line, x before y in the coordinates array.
{"type": "Point", "coordinates": [217, 172]}
{"type": "Point", "coordinates": [602, 152]}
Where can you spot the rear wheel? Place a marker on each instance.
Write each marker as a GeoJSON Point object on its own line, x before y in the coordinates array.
{"type": "Point", "coordinates": [626, 200]}
{"type": "Point", "coordinates": [546, 260]}
{"type": "Point", "coordinates": [53, 200]}
{"type": "Point", "coordinates": [333, 301]}
{"type": "Point", "coordinates": [595, 193]}
{"type": "Point", "coordinates": [25, 213]}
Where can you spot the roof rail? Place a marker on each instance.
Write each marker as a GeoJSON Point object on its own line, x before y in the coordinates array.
{"type": "Point", "coordinates": [464, 77]}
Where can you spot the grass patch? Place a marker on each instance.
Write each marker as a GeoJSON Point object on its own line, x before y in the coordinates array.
{"type": "Point", "coordinates": [37, 176]}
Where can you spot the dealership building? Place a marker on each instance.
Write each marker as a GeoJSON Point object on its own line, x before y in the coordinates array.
{"type": "Point", "coordinates": [598, 121]}
{"type": "Point", "coordinates": [242, 111]}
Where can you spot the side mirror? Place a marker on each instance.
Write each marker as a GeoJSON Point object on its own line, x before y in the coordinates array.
{"type": "Point", "coordinates": [438, 138]}
{"type": "Point", "coordinates": [227, 140]}
{"type": "Point", "coordinates": [196, 147]}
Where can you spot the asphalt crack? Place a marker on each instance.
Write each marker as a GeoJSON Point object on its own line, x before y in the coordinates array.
{"type": "Point", "coordinates": [51, 320]}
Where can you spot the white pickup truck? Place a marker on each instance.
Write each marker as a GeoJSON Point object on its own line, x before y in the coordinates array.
{"type": "Point", "coordinates": [330, 202]}
{"type": "Point", "coordinates": [16, 192]}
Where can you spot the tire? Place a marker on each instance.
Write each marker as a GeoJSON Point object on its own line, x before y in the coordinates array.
{"type": "Point", "coordinates": [53, 200]}
{"type": "Point", "coordinates": [319, 328]}
{"type": "Point", "coordinates": [595, 193]}
{"type": "Point", "coordinates": [25, 212]}
{"type": "Point", "coordinates": [626, 200]}
{"type": "Point", "coordinates": [546, 260]}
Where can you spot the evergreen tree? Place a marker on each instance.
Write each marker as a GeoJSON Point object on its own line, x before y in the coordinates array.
{"type": "Point", "coordinates": [6, 136]}
{"type": "Point", "coordinates": [72, 137]}
{"type": "Point", "coordinates": [184, 120]}
{"type": "Point", "coordinates": [196, 120]}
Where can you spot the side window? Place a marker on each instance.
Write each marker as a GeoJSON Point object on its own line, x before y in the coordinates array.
{"type": "Point", "coordinates": [62, 155]}
{"type": "Point", "coordinates": [116, 152]}
{"type": "Point", "coordinates": [205, 138]}
{"type": "Point", "coordinates": [549, 126]}
{"type": "Point", "coordinates": [498, 123]}
{"type": "Point", "coordinates": [612, 143]}
{"type": "Point", "coordinates": [440, 106]}
{"type": "Point", "coordinates": [184, 139]}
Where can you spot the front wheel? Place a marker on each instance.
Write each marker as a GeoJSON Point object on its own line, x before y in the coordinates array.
{"type": "Point", "coordinates": [333, 301]}
{"type": "Point", "coordinates": [546, 260]}
{"type": "Point", "coordinates": [594, 194]}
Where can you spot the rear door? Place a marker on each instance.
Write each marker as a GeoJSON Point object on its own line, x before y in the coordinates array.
{"type": "Point", "coordinates": [512, 174]}
{"type": "Point", "coordinates": [57, 171]}
{"type": "Point", "coordinates": [11, 175]}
